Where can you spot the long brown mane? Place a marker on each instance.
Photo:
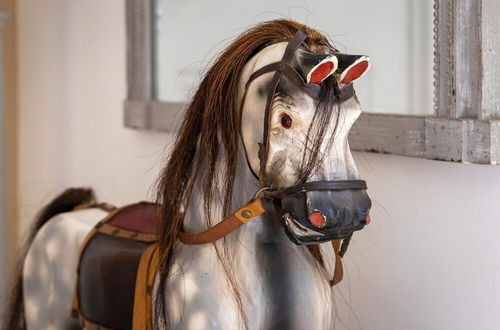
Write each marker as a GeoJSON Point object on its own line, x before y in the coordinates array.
{"type": "Point", "coordinates": [211, 128]}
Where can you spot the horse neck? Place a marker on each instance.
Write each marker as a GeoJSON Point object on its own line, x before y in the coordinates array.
{"type": "Point", "coordinates": [266, 263]}
{"type": "Point", "coordinates": [245, 186]}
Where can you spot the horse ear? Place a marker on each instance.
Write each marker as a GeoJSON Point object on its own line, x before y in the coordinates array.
{"type": "Point", "coordinates": [322, 70]}
{"type": "Point", "coordinates": [352, 67]}
{"type": "Point", "coordinates": [314, 67]}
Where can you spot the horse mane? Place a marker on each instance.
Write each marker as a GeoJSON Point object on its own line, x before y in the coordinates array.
{"type": "Point", "coordinates": [209, 129]}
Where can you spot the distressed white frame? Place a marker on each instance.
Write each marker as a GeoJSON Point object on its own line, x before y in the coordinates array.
{"type": "Point", "coordinates": [466, 127]}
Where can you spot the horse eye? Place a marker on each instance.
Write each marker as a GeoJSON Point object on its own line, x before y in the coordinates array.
{"type": "Point", "coordinates": [286, 121]}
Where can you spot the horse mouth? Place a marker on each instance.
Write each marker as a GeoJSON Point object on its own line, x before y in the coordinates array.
{"type": "Point", "coordinates": [302, 235]}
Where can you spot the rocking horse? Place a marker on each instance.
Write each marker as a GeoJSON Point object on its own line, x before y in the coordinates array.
{"type": "Point", "coordinates": [255, 207]}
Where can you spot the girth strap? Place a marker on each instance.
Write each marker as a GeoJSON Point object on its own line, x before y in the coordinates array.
{"type": "Point", "coordinates": [251, 210]}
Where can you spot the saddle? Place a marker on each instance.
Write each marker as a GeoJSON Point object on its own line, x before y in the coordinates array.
{"type": "Point", "coordinates": [116, 269]}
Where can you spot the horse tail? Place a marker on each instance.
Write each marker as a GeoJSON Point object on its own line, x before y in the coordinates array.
{"type": "Point", "coordinates": [14, 317]}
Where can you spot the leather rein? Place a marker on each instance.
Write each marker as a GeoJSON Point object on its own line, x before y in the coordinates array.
{"type": "Point", "coordinates": [255, 207]}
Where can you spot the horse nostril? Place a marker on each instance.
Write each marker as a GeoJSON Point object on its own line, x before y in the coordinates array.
{"type": "Point", "coordinates": [317, 219]}
{"type": "Point", "coordinates": [368, 219]}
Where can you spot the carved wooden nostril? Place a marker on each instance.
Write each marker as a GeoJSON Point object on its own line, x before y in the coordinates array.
{"type": "Point", "coordinates": [317, 219]}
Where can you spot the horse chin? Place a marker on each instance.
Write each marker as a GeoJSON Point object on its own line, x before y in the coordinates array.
{"type": "Point", "coordinates": [302, 235]}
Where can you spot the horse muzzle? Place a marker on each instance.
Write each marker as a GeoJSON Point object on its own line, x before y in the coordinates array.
{"type": "Point", "coordinates": [321, 211]}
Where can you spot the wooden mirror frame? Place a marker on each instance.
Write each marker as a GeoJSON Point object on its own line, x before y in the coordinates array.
{"type": "Point", "coordinates": [465, 128]}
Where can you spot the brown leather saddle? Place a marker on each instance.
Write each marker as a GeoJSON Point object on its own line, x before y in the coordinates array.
{"type": "Point", "coordinates": [116, 269]}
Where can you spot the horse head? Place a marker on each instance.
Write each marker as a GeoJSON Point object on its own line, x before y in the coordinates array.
{"type": "Point", "coordinates": [298, 107]}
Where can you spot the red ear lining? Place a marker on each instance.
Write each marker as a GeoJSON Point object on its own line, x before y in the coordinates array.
{"type": "Point", "coordinates": [322, 70]}
{"type": "Point", "coordinates": [355, 70]}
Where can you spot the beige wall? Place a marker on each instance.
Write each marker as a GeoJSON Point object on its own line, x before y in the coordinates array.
{"type": "Point", "coordinates": [71, 88]}
{"type": "Point", "coordinates": [8, 217]}
{"type": "Point", "coordinates": [429, 260]}
{"type": "Point", "coordinates": [11, 111]}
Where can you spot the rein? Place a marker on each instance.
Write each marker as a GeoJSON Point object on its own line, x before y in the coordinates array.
{"type": "Point", "coordinates": [249, 211]}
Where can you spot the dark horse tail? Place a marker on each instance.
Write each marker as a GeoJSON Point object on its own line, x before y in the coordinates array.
{"type": "Point", "coordinates": [14, 314]}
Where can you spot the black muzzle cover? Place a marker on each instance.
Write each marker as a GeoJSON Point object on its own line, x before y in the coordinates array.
{"type": "Point", "coordinates": [321, 211]}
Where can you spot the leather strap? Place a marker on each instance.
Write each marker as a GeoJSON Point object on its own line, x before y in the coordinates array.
{"type": "Point", "coordinates": [144, 283]}
{"type": "Point", "coordinates": [226, 226]}
{"type": "Point", "coordinates": [345, 245]}
{"type": "Point", "coordinates": [338, 273]}
{"type": "Point", "coordinates": [319, 185]}
{"type": "Point", "coordinates": [340, 248]}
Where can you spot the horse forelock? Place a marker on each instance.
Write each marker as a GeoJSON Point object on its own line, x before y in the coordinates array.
{"type": "Point", "coordinates": [210, 129]}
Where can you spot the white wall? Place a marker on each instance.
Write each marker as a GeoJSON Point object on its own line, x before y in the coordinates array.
{"type": "Point", "coordinates": [429, 260]}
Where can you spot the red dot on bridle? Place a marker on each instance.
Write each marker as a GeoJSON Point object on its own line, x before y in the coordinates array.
{"type": "Point", "coordinates": [286, 121]}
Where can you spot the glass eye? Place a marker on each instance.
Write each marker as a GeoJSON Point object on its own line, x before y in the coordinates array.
{"type": "Point", "coordinates": [286, 121]}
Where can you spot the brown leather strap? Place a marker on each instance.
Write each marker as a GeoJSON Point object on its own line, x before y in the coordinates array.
{"type": "Point", "coordinates": [345, 245]}
{"type": "Point", "coordinates": [144, 289]}
{"type": "Point", "coordinates": [338, 273]}
{"type": "Point", "coordinates": [340, 248]}
{"type": "Point", "coordinates": [226, 226]}
{"type": "Point", "coordinates": [108, 229]}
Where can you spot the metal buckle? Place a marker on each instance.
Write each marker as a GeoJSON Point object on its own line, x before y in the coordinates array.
{"type": "Point", "coordinates": [260, 192]}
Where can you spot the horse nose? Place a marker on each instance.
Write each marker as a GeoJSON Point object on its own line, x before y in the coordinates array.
{"type": "Point", "coordinates": [331, 209]}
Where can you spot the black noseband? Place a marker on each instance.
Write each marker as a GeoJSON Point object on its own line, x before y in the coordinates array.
{"type": "Point", "coordinates": [320, 211]}
{"type": "Point", "coordinates": [318, 186]}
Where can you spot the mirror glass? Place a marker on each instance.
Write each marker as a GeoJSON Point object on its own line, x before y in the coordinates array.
{"type": "Point", "coordinates": [396, 34]}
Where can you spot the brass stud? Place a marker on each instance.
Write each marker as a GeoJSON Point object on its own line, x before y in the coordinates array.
{"type": "Point", "coordinates": [246, 214]}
